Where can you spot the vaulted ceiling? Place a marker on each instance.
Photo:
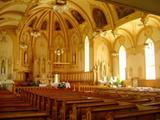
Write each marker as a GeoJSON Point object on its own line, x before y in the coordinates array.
{"type": "Point", "coordinates": [150, 6]}
{"type": "Point", "coordinates": [98, 15]}
{"type": "Point", "coordinates": [13, 11]}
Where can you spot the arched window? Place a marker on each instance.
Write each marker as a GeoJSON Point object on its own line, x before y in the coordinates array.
{"type": "Point", "coordinates": [86, 47]}
{"type": "Point", "coordinates": [122, 63]}
{"type": "Point", "coordinates": [150, 59]}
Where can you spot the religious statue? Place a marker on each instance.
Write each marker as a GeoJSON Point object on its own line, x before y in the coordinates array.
{"type": "Point", "coordinates": [25, 57]}
{"type": "Point", "coordinates": [59, 53]}
{"type": "Point", "coordinates": [3, 68]}
{"type": "Point", "coordinates": [95, 69]}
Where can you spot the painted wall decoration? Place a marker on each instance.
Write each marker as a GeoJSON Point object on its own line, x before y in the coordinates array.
{"type": "Point", "coordinates": [57, 26]}
{"type": "Point", "coordinates": [6, 55]}
{"type": "Point", "coordinates": [41, 57]}
{"type": "Point", "coordinates": [44, 25]}
{"type": "Point", "coordinates": [70, 26]}
{"type": "Point", "coordinates": [31, 24]}
{"type": "Point", "coordinates": [99, 18]}
{"type": "Point", "coordinates": [77, 16]}
{"type": "Point", "coordinates": [75, 42]}
{"type": "Point", "coordinates": [123, 11]}
{"type": "Point", "coordinates": [59, 41]}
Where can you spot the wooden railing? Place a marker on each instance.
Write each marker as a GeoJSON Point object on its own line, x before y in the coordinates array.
{"type": "Point", "coordinates": [77, 77]}
{"type": "Point", "coordinates": [149, 83]}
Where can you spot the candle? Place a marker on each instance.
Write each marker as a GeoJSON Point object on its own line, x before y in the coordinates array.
{"type": "Point", "coordinates": [56, 79]}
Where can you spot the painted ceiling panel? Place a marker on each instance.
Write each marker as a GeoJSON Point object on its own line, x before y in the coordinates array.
{"type": "Point", "coordinates": [84, 8]}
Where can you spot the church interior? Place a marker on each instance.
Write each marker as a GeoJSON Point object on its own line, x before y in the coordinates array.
{"type": "Point", "coordinates": [79, 60]}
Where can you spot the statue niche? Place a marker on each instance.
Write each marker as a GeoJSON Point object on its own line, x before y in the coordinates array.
{"type": "Point", "coordinates": [59, 53]}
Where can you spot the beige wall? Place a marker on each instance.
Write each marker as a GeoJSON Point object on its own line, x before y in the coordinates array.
{"type": "Point", "coordinates": [132, 36]}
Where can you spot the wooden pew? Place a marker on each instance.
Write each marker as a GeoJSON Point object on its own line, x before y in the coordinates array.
{"type": "Point", "coordinates": [60, 105]}
{"type": "Point", "coordinates": [79, 110]}
{"type": "Point", "coordinates": [138, 115]}
{"type": "Point", "coordinates": [54, 100]}
{"type": "Point", "coordinates": [152, 104]}
{"type": "Point", "coordinates": [139, 101]}
{"type": "Point", "coordinates": [60, 101]}
{"type": "Point", "coordinates": [124, 112]}
{"type": "Point", "coordinates": [23, 115]}
{"type": "Point", "coordinates": [100, 112]}
{"type": "Point", "coordinates": [17, 109]}
{"type": "Point", "coordinates": [13, 107]}
{"type": "Point", "coordinates": [66, 105]}
{"type": "Point", "coordinates": [57, 102]}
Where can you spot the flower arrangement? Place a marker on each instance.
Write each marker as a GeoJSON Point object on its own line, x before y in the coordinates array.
{"type": "Point", "coordinates": [61, 85]}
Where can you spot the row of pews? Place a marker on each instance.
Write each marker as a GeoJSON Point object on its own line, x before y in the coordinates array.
{"type": "Point", "coordinates": [66, 104]}
{"type": "Point", "coordinates": [138, 92]}
{"type": "Point", "coordinates": [13, 107]}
